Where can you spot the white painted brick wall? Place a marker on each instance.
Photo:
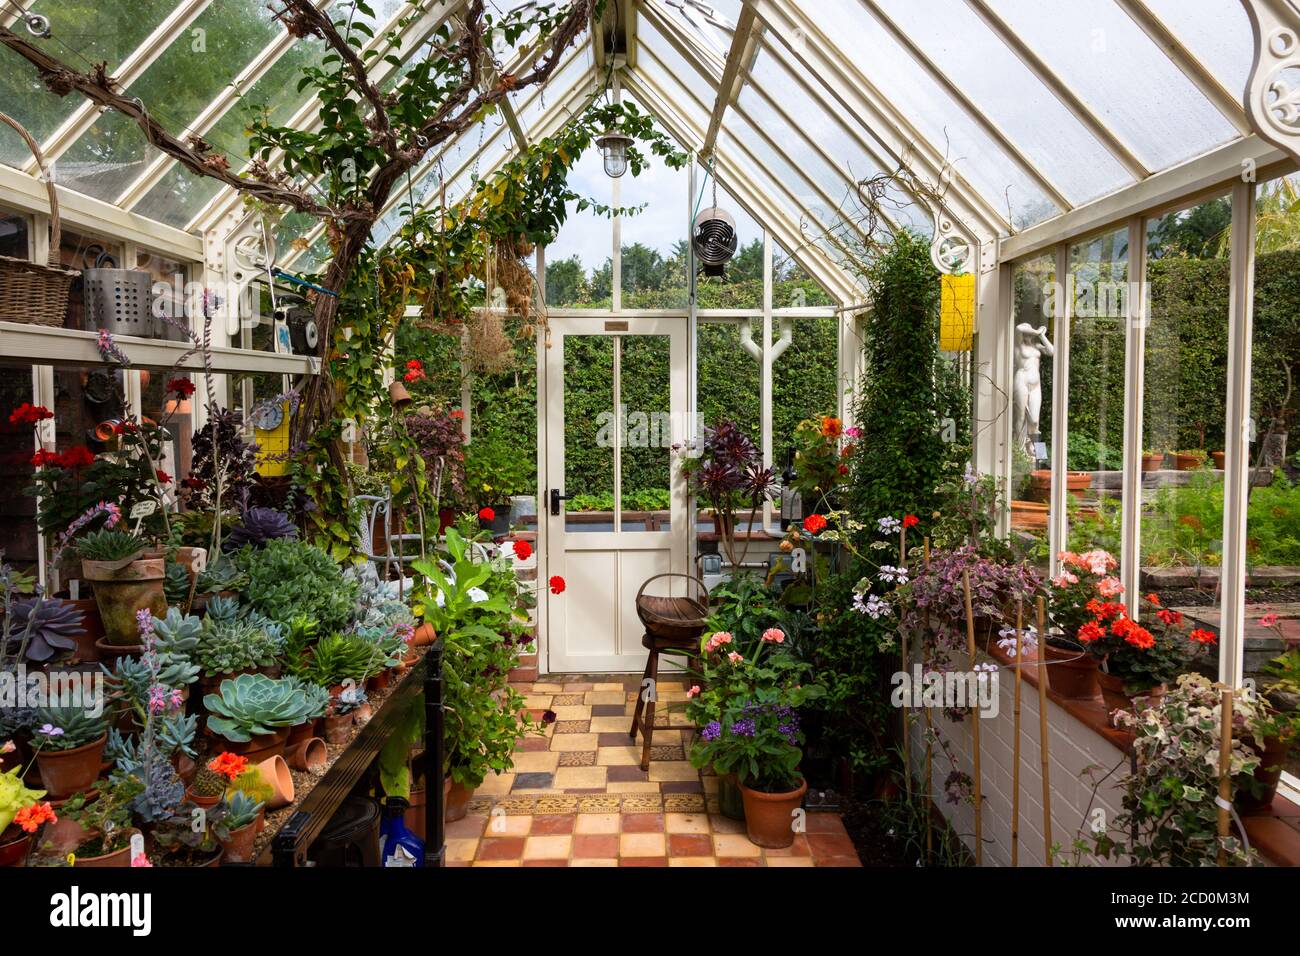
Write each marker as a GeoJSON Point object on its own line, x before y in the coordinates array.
{"type": "Point", "coordinates": [1072, 748]}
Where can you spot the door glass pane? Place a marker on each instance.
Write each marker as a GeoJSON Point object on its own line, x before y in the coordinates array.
{"type": "Point", "coordinates": [18, 541]}
{"type": "Point", "coordinates": [645, 405]}
{"type": "Point", "coordinates": [590, 432]}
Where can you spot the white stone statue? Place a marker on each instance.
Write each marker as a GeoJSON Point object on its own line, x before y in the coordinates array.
{"type": "Point", "coordinates": [1031, 345]}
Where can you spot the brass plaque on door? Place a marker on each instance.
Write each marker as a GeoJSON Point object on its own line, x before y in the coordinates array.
{"type": "Point", "coordinates": [616, 326]}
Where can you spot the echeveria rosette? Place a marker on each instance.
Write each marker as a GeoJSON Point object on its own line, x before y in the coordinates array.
{"type": "Point", "coordinates": [258, 526]}
{"type": "Point", "coordinates": [252, 705]}
{"type": "Point", "coordinates": [55, 626]}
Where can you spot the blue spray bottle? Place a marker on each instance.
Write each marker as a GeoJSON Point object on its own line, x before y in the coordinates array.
{"type": "Point", "coordinates": [401, 847]}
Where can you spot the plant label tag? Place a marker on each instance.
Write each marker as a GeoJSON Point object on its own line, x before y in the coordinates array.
{"type": "Point", "coordinates": [137, 844]}
{"type": "Point", "coordinates": [144, 509]}
{"type": "Point", "coordinates": [74, 589]}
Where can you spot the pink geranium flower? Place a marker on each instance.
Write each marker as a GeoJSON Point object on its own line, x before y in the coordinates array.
{"type": "Point", "coordinates": [774, 635]}
{"type": "Point", "coordinates": [734, 657]}
{"type": "Point", "coordinates": [693, 692]}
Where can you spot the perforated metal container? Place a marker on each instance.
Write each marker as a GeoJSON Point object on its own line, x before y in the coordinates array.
{"type": "Point", "coordinates": [120, 300]}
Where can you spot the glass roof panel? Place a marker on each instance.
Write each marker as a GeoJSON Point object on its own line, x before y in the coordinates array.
{"type": "Point", "coordinates": [82, 34]}
{"type": "Point", "coordinates": [1113, 66]}
{"type": "Point", "coordinates": [1216, 33]}
{"type": "Point", "coordinates": [180, 195]}
{"type": "Point", "coordinates": [176, 87]}
{"type": "Point", "coordinates": [712, 24]}
{"type": "Point", "coordinates": [941, 120]}
{"type": "Point", "coordinates": [1006, 90]}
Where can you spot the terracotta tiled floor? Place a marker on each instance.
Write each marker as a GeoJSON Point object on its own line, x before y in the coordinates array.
{"type": "Point", "coordinates": [577, 797]}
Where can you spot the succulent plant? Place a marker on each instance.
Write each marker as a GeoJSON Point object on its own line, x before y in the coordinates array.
{"type": "Point", "coordinates": [340, 657]}
{"type": "Point", "coordinates": [229, 646]}
{"type": "Point", "coordinates": [316, 697]}
{"type": "Point", "coordinates": [109, 545]}
{"type": "Point", "coordinates": [221, 575]}
{"type": "Point", "coordinates": [173, 733]}
{"type": "Point", "coordinates": [224, 609]}
{"type": "Point", "coordinates": [241, 810]}
{"type": "Point", "coordinates": [287, 577]}
{"type": "Point", "coordinates": [253, 704]}
{"type": "Point", "coordinates": [47, 625]}
{"type": "Point", "coordinates": [176, 583]}
{"type": "Point", "coordinates": [258, 526]}
{"type": "Point", "coordinates": [208, 783]}
{"type": "Point", "coordinates": [65, 728]}
{"type": "Point", "coordinates": [348, 701]}
{"type": "Point", "coordinates": [177, 634]}
{"type": "Point", "coordinates": [252, 783]}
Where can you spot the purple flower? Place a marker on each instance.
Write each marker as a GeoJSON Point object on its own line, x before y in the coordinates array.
{"type": "Point", "coordinates": [712, 731]}
{"type": "Point", "coordinates": [744, 727]}
{"type": "Point", "coordinates": [49, 730]}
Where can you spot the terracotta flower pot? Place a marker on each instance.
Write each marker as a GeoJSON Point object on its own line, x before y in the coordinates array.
{"type": "Point", "coordinates": [1077, 483]}
{"type": "Point", "coordinates": [120, 857]}
{"type": "Point", "coordinates": [107, 652]}
{"type": "Point", "coordinates": [122, 591]}
{"type": "Point", "coordinates": [768, 816]}
{"type": "Point", "coordinates": [379, 681]}
{"type": "Point", "coordinates": [338, 728]}
{"type": "Point", "coordinates": [1153, 461]}
{"type": "Point", "coordinates": [65, 772]}
{"type": "Point", "coordinates": [302, 732]}
{"type": "Point", "coordinates": [1071, 678]}
{"type": "Point", "coordinates": [424, 635]}
{"type": "Point", "coordinates": [63, 835]}
{"type": "Point", "coordinates": [206, 801]}
{"type": "Point", "coordinates": [15, 844]}
{"type": "Point", "coordinates": [457, 803]}
{"type": "Point", "coordinates": [185, 767]}
{"type": "Point", "coordinates": [307, 755]}
{"type": "Point", "coordinates": [92, 629]}
{"type": "Point", "coordinates": [1218, 457]}
{"type": "Point", "coordinates": [238, 846]}
{"type": "Point", "coordinates": [413, 815]}
{"type": "Point", "coordinates": [1112, 692]}
{"type": "Point", "coordinates": [1266, 775]}
{"type": "Point", "coordinates": [275, 771]}
{"type": "Point", "coordinates": [1187, 462]}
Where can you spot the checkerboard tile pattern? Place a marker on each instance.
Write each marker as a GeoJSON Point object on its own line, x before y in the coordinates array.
{"type": "Point", "coordinates": [578, 796]}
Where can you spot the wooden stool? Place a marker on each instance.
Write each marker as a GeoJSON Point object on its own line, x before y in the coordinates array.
{"type": "Point", "coordinates": [672, 625]}
{"type": "Point", "coordinates": [656, 646]}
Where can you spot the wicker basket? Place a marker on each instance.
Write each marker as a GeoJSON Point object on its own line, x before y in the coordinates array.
{"type": "Point", "coordinates": [680, 619]}
{"type": "Point", "coordinates": [32, 293]}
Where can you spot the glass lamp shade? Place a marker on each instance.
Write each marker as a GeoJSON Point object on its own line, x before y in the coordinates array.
{"type": "Point", "coordinates": [613, 147]}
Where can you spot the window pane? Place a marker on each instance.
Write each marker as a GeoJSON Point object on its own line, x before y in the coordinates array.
{"type": "Point", "coordinates": [1099, 270]}
{"type": "Point", "coordinates": [646, 457]}
{"type": "Point", "coordinates": [579, 262]}
{"type": "Point", "coordinates": [18, 538]}
{"type": "Point", "coordinates": [1031, 404]}
{"type": "Point", "coordinates": [655, 239]}
{"type": "Point", "coordinates": [588, 452]}
{"type": "Point", "coordinates": [1216, 33]}
{"type": "Point", "coordinates": [728, 388]}
{"type": "Point", "coordinates": [803, 385]}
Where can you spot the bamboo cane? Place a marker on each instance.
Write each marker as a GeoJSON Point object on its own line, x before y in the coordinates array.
{"type": "Point", "coordinates": [1042, 730]}
{"type": "Point", "coordinates": [1225, 771]}
{"type": "Point", "coordinates": [1015, 755]}
{"type": "Point", "coordinates": [929, 746]}
{"type": "Point", "coordinates": [975, 728]}
{"type": "Point", "coordinates": [907, 711]}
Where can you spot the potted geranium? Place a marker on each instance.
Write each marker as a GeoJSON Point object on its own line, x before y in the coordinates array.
{"type": "Point", "coordinates": [1083, 604]}
{"type": "Point", "coordinates": [1141, 661]}
{"type": "Point", "coordinates": [823, 450]}
{"type": "Point", "coordinates": [104, 823]}
{"type": "Point", "coordinates": [22, 813]}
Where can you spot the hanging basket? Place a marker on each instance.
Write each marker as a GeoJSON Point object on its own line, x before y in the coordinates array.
{"type": "Point", "coordinates": [32, 293]}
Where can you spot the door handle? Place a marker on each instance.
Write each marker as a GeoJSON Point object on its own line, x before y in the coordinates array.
{"type": "Point", "coordinates": [556, 498]}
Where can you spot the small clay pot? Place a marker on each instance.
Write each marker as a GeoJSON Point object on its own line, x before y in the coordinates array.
{"type": "Point", "coordinates": [65, 772]}
{"type": "Point", "coordinates": [1267, 774]}
{"type": "Point", "coordinates": [15, 844]}
{"type": "Point", "coordinates": [379, 681]}
{"type": "Point", "coordinates": [238, 845]}
{"type": "Point", "coordinates": [1153, 462]}
{"type": "Point", "coordinates": [301, 732]}
{"type": "Point", "coordinates": [457, 802]}
{"type": "Point", "coordinates": [120, 857]}
{"type": "Point", "coordinates": [1218, 457]}
{"type": "Point", "coordinates": [424, 635]}
{"type": "Point", "coordinates": [206, 801]}
{"type": "Point", "coordinates": [769, 817]}
{"type": "Point", "coordinates": [1071, 673]}
{"type": "Point", "coordinates": [275, 771]}
{"type": "Point", "coordinates": [338, 728]}
{"type": "Point", "coordinates": [108, 653]}
{"type": "Point", "coordinates": [260, 747]}
{"type": "Point", "coordinates": [307, 755]}
{"type": "Point", "coordinates": [1112, 692]}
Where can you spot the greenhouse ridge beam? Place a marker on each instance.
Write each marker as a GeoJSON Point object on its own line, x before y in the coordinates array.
{"type": "Point", "coordinates": [1062, 90]}
{"type": "Point", "coordinates": [734, 73]}
{"type": "Point", "coordinates": [130, 70]}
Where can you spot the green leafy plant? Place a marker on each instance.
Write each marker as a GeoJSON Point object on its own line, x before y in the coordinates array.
{"type": "Point", "coordinates": [107, 818]}
{"type": "Point", "coordinates": [337, 658]}
{"type": "Point", "coordinates": [221, 574]}
{"type": "Point", "coordinates": [253, 784]}
{"type": "Point", "coordinates": [757, 738]}
{"type": "Point", "coordinates": [288, 578]}
{"type": "Point", "coordinates": [254, 704]}
{"type": "Point", "coordinates": [228, 646]}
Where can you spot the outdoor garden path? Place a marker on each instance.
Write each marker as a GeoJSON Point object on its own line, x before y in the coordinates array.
{"type": "Point", "coordinates": [578, 797]}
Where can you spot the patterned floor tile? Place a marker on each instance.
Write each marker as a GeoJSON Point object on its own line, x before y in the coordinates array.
{"type": "Point", "coordinates": [683, 803]}
{"type": "Point", "coordinates": [578, 758]}
{"type": "Point", "coordinates": [648, 803]}
{"type": "Point", "coordinates": [568, 700]}
{"type": "Point", "coordinates": [572, 726]}
{"type": "Point", "coordinates": [556, 803]}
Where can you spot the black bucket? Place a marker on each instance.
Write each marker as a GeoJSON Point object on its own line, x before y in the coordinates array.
{"type": "Point", "coordinates": [351, 838]}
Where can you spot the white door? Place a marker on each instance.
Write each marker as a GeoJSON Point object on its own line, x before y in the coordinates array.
{"type": "Point", "coordinates": [613, 498]}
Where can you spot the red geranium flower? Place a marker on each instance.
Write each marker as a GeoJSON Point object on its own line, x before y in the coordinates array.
{"type": "Point", "coordinates": [458, 414]}
{"type": "Point", "coordinates": [523, 550]}
{"type": "Point", "coordinates": [29, 819]}
{"type": "Point", "coordinates": [1171, 618]}
{"type": "Point", "coordinates": [44, 458]}
{"type": "Point", "coordinates": [1153, 598]}
{"type": "Point", "coordinates": [1090, 632]}
{"type": "Point", "coordinates": [910, 521]}
{"type": "Point", "coordinates": [181, 386]}
{"type": "Point", "coordinates": [192, 482]}
{"type": "Point", "coordinates": [163, 477]}
{"type": "Point", "coordinates": [228, 765]}
{"type": "Point", "coordinates": [557, 584]}
{"type": "Point", "coordinates": [486, 514]}
{"type": "Point", "coordinates": [414, 375]}
{"type": "Point", "coordinates": [29, 414]}
{"type": "Point", "coordinates": [814, 524]}
{"type": "Point", "coordinates": [78, 456]}
{"type": "Point", "coordinates": [832, 427]}
{"type": "Point", "coordinates": [1202, 636]}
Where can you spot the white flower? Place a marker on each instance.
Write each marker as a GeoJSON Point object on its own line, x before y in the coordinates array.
{"type": "Point", "coordinates": [872, 605]}
{"type": "Point", "coordinates": [889, 525]}
{"type": "Point", "coordinates": [439, 599]}
{"type": "Point", "coordinates": [986, 668]}
{"type": "Point", "coordinates": [892, 575]}
{"type": "Point", "coordinates": [1007, 639]}
{"type": "Point", "coordinates": [477, 595]}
